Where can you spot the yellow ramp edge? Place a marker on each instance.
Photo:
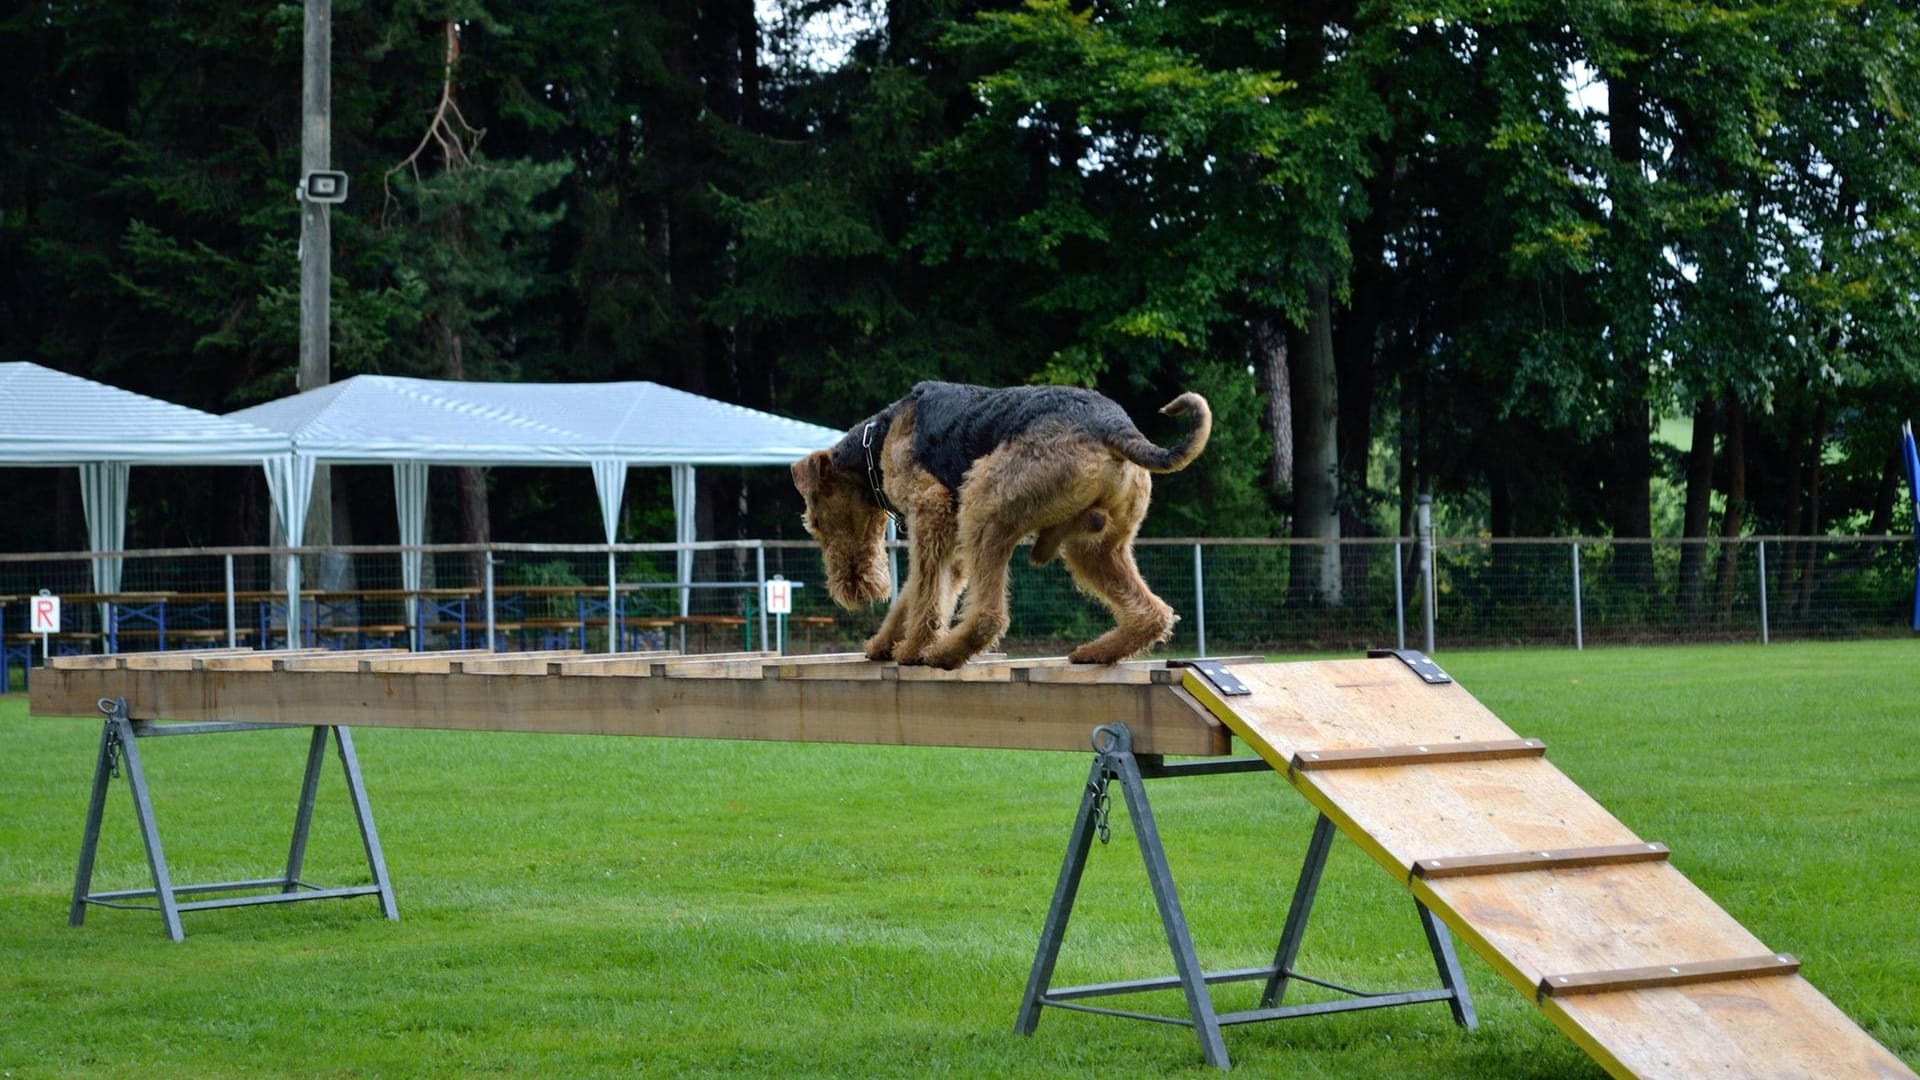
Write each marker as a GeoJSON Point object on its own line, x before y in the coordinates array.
{"type": "Point", "coordinates": [1532, 924]}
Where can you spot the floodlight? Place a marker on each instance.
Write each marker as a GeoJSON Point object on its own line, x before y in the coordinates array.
{"type": "Point", "coordinates": [324, 187]}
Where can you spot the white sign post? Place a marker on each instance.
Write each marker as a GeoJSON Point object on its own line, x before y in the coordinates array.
{"type": "Point", "coordinates": [43, 618]}
{"type": "Point", "coordinates": [780, 605]}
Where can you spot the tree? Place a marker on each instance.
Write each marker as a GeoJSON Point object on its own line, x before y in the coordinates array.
{"type": "Point", "coordinates": [469, 233]}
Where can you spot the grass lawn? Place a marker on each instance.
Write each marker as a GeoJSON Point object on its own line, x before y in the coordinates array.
{"type": "Point", "coordinates": [576, 906]}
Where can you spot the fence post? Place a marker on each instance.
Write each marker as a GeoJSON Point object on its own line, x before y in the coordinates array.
{"type": "Point", "coordinates": [486, 597]}
{"type": "Point", "coordinates": [233, 636]}
{"type": "Point", "coordinates": [1763, 592]}
{"type": "Point", "coordinates": [1579, 631]}
{"type": "Point", "coordinates": [1426, 566]}
{"type": "Point", "coordinates": [1199, 604]}
{"type": "Point", "coordinates": [760, 581]}
{"type": "Point", "coordinates": [1399, 599]}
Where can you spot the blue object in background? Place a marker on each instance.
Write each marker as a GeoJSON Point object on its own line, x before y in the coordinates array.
{"type": "Point", "coordinates": [1912, 454]}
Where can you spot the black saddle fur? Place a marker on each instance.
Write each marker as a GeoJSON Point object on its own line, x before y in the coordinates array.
{"type": "Point", "coordinates": [957, 424]}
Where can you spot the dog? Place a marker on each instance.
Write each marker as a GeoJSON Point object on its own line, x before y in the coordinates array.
{"type": "Point", "coordinates": [975, 470]}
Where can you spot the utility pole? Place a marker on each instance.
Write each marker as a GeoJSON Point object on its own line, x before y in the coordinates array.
{"type": "Point", "coordinates": [316, 240]}
{"type": "Point", "coordinates": [320, 189]}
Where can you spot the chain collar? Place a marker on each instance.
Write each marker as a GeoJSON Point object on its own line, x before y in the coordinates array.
{"type": "Point", "coordinates": [873, 475]}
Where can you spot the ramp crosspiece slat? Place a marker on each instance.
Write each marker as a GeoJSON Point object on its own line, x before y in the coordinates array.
{"type": "Point", "coordinates": [1509, 862]}
{"type": "Point", "coordinates": [1641, 978]}
{"type": "Point", "coordinates": [1386, 757]}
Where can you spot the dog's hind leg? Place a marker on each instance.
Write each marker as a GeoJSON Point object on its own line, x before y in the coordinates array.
{"type": "Point", "coordinates": [1103, 566]}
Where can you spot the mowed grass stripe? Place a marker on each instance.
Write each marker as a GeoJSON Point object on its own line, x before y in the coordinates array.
{"type": "Point", "coordinates": [577, 906]}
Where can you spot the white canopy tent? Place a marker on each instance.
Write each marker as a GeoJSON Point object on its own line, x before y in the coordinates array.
{"type": "Point", "coordinates": [413, 424]}
{"type": "Point", "coordinates": [51, 418]}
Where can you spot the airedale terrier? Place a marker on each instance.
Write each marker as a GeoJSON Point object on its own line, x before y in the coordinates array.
{"type": "Point", "coordinates": [975, 470]}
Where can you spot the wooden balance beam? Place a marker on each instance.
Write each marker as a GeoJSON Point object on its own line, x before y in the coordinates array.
{"type": "Point", "coordinates": [838, 698]}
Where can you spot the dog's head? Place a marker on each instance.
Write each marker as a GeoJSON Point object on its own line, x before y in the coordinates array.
{"type": "Point", "coordinates": [852, 531]}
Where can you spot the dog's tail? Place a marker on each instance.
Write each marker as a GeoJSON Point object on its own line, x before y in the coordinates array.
{"type": "Point", "coordinates": [1135, 447]}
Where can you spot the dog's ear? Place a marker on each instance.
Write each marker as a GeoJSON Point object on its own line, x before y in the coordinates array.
{"type": "Point", "coordinates": [810, 473]}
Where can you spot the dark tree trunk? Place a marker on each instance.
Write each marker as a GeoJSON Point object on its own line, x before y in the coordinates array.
{"type": "Point", "coordinates": [476, 526]}
{"type": "Point", "coordinates": [1275, 379]}
{"type": "Point", "coordinates": [1887, 494]}
{"type": "Point", "coordinates": [1630, 480]}
{"type": "Point", "coordinates": [1807, 572]}
{"type": "Point", "coordinates": [1736, 516]}
{"type": "Point", "coordinates": [1699, 506]}
{"type": "Point", "coordinates": [1316, 463]}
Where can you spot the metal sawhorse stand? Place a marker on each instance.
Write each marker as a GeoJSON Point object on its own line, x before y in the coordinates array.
{"type": "Point", "coordinates": [1114, 760]}
{"type": "Point", "coordinates": [119, 741]}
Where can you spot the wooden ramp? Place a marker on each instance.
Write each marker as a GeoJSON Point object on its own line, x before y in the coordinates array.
{"type": "Point", "coordinates": [1617, 947]}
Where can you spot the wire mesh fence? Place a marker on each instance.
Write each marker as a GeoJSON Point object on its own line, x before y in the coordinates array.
{"type": "Point", "coordinates": [1234, 596]}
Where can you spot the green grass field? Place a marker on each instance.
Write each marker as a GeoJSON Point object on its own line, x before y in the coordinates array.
{"type": "Point", "coordinates": [575, 906]}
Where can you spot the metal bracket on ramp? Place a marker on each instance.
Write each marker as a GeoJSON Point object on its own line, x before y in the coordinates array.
{"type": "Point", "coordinates": [1421, 664]}
{"type": "Point", "coordinates": [1217, 673]}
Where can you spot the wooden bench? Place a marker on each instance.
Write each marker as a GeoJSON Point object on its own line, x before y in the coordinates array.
{"type": "Point", "coordinates": [703, 623]}
{"type": "Point", "coordinates": [359, 636]}
{"type": "Point", "coordinates": [810, 623]}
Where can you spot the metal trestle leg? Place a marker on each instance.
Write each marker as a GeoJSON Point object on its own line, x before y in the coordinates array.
{"type": "Point", "coordinates": [1114, 760]}
{"type": "Point", "coordinates": [119, 749]}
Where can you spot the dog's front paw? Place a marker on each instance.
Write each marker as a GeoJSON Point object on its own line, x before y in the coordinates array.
{"type": "Point", "coordinates": [909, 653]}
{"type": "Point", "coordinates": [879, 649]}
{"type": "Point", "coordinates": [949, 658]}
{"type": "Point", "coordinates": [1087, 654]}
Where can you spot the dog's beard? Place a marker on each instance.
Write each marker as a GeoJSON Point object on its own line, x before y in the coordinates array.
{"type": "Point", "coordinates": [857, 579]}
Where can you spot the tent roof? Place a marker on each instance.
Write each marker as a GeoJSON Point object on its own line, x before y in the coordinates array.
{"type": "Point", "coordinates": [375, 419]}
{"type": "Point", "coordinates": [49, 417]}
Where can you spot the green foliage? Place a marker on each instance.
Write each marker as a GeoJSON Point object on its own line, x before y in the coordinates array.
{"type": "Point", "coordinates": [1105, 194]}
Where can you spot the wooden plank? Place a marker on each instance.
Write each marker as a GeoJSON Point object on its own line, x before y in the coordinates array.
{"type": "Point", "coordinates": [634, 664]}
{"type": "Point", "coordinates": [1386, 757]}
{"type": "Point", "coordinates": [733, 665]}
{"type": "Point", "coordinates": [1593, 919]}
{"type": "Point", "coordinates": [1510, 862]}
{"type": "Point", "coordinates": [532, 662]}
{"type": "Point", "coordinates": [260, 659]}
{"type": "Point", "coordinates": [1163, 719]}
{"type": "Point", "coordinates": [794, 663]}
{"type": "Point", "coordinates": [185, 660]}
{"type": "Point", "coordinates": [1769, 965]}
{"type": "Point", "coordinates": [316, 659]}
{"type": "Point", "coordinates": [1341, 704]}
{"type": "Point", "coordinates": [326, 660]}
{"type": "Point", "coordinates": [1129, 673]}
{"type": "Point", "coordinates": [828, 666]}
{"type": "Point", "coordinates": [991, 669]}
{"type": "Point", "coordinates": [1463, 808]}
{"type": "Point", "coordinates": [860, 669]}
{"type": "Point", "coordinates": [428, 663]}
{"type": "Point", "coordinates": [1773, 1027]}
{"type": "Point", "coordinates": [86, 662]}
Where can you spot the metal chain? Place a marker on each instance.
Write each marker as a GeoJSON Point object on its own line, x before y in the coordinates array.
{"type": "Point", "coordinates": [1101, 806]}
{"type": "Point", "coordinates": [113, 752]}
